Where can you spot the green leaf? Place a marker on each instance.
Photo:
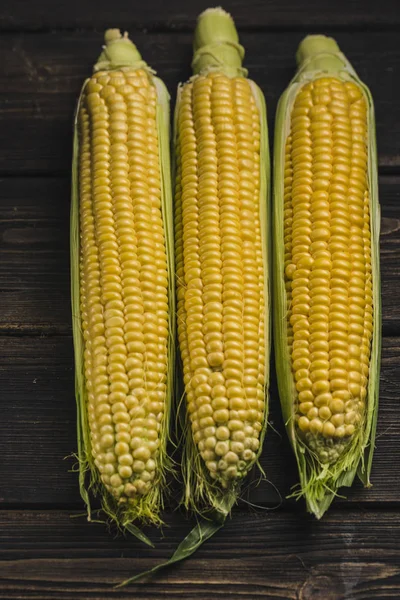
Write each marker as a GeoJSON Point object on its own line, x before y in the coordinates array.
{"type": "Point", "coordinates": [192, 542]}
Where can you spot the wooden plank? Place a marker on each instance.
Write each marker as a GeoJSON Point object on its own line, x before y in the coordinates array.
{"type": "Point", "coordinates": [34, 269]}
{"type": "Point", "coordinates": [389, 196]}
{"type": "Point", "coordinates": [41, 75]}
{"type": "Point", "coordinates": [182, 15]}
{"type": "Point", "coordinates": [280, 555]}
{"type": "Point", "coordinates": [34, 245]}
{"type": "Point", "coordinates": [38, 421]}
{"type": "Point", "coordinates": [38, 430]}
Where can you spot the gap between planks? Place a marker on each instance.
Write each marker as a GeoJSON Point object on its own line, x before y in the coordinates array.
{"type": "Point", "coordinates": [184, 28]}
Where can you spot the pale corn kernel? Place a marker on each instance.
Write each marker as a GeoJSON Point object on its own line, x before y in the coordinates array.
{"type": "Point", "coordinates": [222, 465]}
{"type": "Point", "coordinates": [337, 420]}
{"type": "Point", "coordinates": [109, 469]}
{"type": "Point", "coordinates": [305, 407]}
{"type": "Point", "coordinates": [237, 435]}
{"type": "Point", "coordinates": [222, 433]}
{"type": "Point", "coordinates": [207, 455]}
{"type": "Point", "coordinates": [125, 471]}
{"type": "Point", "coordinates": [125, 459]}
{"type": "Point", "coordinates": [306, 396]}
{"type": "Point", "coordinates": [130, 490]}
{"type": "Point", "coordinates": [324, 413]}
{"type": "Point", "coordinates": [146, 476]}
{"type": "Point", "coordinates": [221, 448]}
{"type": "Point", "coordinates": [337, 406]}
{"type": "Point", "coordinates": [316, 425]}
{"type": "Point", "coordinates": [212, 466]}
{"type": "Point", "coordinates": [220, 403]}
{"type": "Point", "coordinates": [107, 441]}
{"type": "Point", "coordinates": [323, 400]}
{"type": "Point", "coordinates": [340, 432]}
{"type": "Point", "coordinates": [237, 425]}
{"type": "Point", "coordinates": [312, 413]}
{"type": "Point", "coordinates": [248, 455]}
{"type": "Point", "coordinates": [143, 453]}
{"type": "Point", "coordinates": [231, 457]}
{"type": "Point", "coordinates": [115, 481]}
{"type": "Point", "coordinates": [138, 466]}
{"type": "Point", "coordinates": [142, 487]}
{"type": "Point", "coordinates": [238, 447]}
{"type": "Point", "coordinates": [304, 424]}
{"type": "Point", "coordinates": [151, 465]}
{"type": "Point", "coordinates": [210, 443]}
{"type": "Point", "coordinates": [328, 430]}
{"type": "Point", "coordinates": [121, 448]}
{"type": "Point", "coordinates": [221, 416]}
{"type": "Point", "coordinates": [350, 417]}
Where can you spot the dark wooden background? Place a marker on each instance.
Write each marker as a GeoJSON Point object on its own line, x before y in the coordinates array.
{"type": "Point", "coordinates": [276, 551]}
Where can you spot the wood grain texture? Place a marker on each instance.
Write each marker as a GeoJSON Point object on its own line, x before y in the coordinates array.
{"type": "Point", "coordinates": [178, 14]}
{"type": "Point", "coordinates": [41, 75]}
{"type": "Point", "coordinates": [38, 430]}
{"type": "Point", "coordinates": [285, 556]}
{"type": "Point", "coordinates": [34, 246]}
{"type": "Point", "coordinates": [275, 552]}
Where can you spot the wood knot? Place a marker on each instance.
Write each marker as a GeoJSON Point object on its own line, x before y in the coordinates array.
{"type": "Point", "coordinates": [389, 225]}
{"type": "Point", "coordinates": [321, 587]}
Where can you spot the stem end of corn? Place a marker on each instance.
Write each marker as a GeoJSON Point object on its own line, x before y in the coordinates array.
{"type": "Point", "coordinates": [216, 44]}
{"type": "Point", "coordinates": [319, 52]}
{"type": "Point", "coordinates": [119, 51]}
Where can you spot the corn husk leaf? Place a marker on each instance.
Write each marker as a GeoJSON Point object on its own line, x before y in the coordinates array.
{"type": "Point", "coordinates": [203, 531]}
{"type": "Point", "coordinates": [319, 483]}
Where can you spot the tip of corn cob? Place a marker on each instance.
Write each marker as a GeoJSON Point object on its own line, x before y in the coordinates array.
{"type": "Point", "coordinates": [216, 44]}
{"type": "Point", "coordinates": [215, 10]}
{"type": "Point", "coordinates": [111, 35]}
{"type": "Point", "coordinates": [312, 45]}
{"type": "Point", "coordinates": [118, 51]}
{"type": "Point", "coordinates": [214, 26]}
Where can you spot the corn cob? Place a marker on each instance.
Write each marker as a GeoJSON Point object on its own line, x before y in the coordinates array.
{"type": "Point", "coordinates": [221, 206]}
{"type": "Point", "coordinates": [221, 271]}
{"type": "Point", "coordinates": [327, 310]}
{"type": "Point", "coordinates": [122, 299]}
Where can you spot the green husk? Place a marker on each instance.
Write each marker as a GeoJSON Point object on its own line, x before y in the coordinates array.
{"type": "Point", "coordinates": [216, 48]}
{"type": "Point", "coordinates": [120, 53]}
{"type": "Point", "coordinates": [319, 483]}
